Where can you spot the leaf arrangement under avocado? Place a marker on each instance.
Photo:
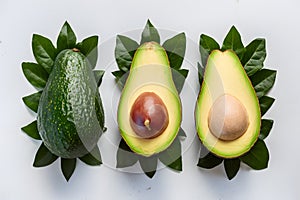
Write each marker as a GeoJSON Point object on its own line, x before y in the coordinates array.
{"type": "Point", "coordinates": [248, 62]}
{"type": "Point", "coordinates": [131, 58]}
{"type": "Point", "coordinates": [70, 116]}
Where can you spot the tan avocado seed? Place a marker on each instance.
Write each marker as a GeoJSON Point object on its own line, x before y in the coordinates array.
{"type": "Point", "coordinates": [228, 119]}
{"type": "Point", "coordinates": [148, 116]}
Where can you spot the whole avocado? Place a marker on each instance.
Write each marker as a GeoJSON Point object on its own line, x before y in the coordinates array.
{"type": "Point", "coordinates": [70, 113]}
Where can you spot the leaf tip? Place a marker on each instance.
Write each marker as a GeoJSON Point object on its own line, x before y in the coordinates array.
{"type": "Point", "coordinates": [150, 174]}
{"type": "Point", "coordinates": [66, 23]}
{"type": "Point", "coordinates": [233, 28]}
{"type": "Point", "coordinates": [34, 36]}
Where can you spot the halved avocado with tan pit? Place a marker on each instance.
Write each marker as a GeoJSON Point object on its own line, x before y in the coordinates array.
{"type": "Point", "coordinates": [227, 113]}
{"type": "Point", "coordinates": [149, 111]}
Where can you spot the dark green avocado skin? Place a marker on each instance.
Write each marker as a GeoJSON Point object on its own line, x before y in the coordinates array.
{"type": "Point", "coordinates": [70, 113]}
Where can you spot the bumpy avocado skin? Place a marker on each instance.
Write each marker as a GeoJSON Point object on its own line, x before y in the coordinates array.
{"type": "Point", "coordinates": [70, 113]}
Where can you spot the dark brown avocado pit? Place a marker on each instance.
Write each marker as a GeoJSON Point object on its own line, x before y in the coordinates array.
{"type": "Point", "coordinates": [149, 116]}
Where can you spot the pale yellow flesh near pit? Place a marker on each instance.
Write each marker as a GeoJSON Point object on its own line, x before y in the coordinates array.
{"type": "Point", "coordinates": [224, 74]}
{"type": "Point", "coordinates": [150, 72]}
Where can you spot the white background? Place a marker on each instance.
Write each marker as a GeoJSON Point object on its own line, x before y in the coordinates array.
{"type": "Point", "coordinates": [277, 21]}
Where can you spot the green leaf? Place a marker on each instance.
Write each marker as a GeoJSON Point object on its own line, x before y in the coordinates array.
{"type": "Point", "coordinates": [67, 167]}
{"type": "Point", "coordinates": [93, 158]}
{"type": "Point", "coordinates": [266, 126]}
{"type": "Point", "coordinates": [181, 132]}
{"type": "Point", "coordinates": [150, 34]}
{"type": "Point", "coordinates": [100, 112]}
{"type": "Point", "coordinates": [233, 41]}
{"type": "Point", "coordinates": [265, 103]}
{"type": "Point", "coordinates": [179, 77]}
{"type": "Point", "coordinates": [209, 161]}
{"type": "Point", "coordinates": [89, 47]}
{"type": "Point", "coordinates": [43, 157]}
{"type": "Point", "coordinates": [118, 74]}
{"type": "Point", "coordinates": [31, 130]}
{"type": "Point", "coordinates": [121, 78]}
{"type": "Point", "coordinates": [206, 46]}
{"type": "Point", "coordinates": [175, 48]}
{"type": "Point", "coordinates": [35, 74]}
{"type": "Point", "coordinates": [148, 165]}
{"type": "Point", "coordinates": [32, 101]}
{"type": "Point", "coordinates": [258, 157]}
{"type": "Point", "coordinates": [43, 51]}
{"type": "Point", "coordinates": [263, 81]}
{"type": "Point", "coordinates": [98, 76]}
{"type": "Point", "coordinates": [125, 157]}
{"type": "Point", "coordinates": [200, 73]}
{"type": "Point", "coordinates": [66, 38]}
{"type": "Point", "coordinates": [232, 167]}
{"type": "Point", "coordinates": [124, 52]}
{"type": "Point", "coordinates": [254, 56]}
{"type": "Point", "coordinates": [171, 157]}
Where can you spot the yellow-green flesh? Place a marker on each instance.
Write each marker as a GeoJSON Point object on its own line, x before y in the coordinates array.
{"type": "Point", "coordinates": [224, 74]}
{"type": "Point", "coordinates": [150, 72]}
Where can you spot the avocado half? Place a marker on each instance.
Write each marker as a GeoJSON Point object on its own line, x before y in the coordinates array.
{"type": "Point", "coordinates": [150, 73]}
{"type": "Point", "coordinates": [227, 112]}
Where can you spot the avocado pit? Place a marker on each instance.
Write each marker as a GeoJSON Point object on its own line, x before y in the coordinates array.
{"type": "Point", "coordinates": [148, 116]}
{"type": "Point", "coordinates": [228, 119]}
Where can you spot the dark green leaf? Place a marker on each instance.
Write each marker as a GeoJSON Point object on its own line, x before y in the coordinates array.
{"type": "Point", "coordinates": [206, 46]}
{"type": "Point", "coordinates": [121, 78]}
{"type": "Point", "coordinates": [209, 161]}
{"type": "Point", "coordinates": [35, 74]}
{"type": "Point", "coordinates": [89, 47]}
{"type": "Point", "coordinates": [233, 41]}
{"type": "Point", "coordinates": [32, 101]}
{"type": "Point", "coordinates": [175, 48]}
{"type": "Point", "coordinates": [148, 165]}
{"type": "Point", "coordinates": [171, 157]}
{"type": "Point", "coordinates": [99, 112]}
{"type": "Point", "coordinates": [200, 73]}
{"type": "Point", "coordinates": [98, 76]}
{"type": "Point", "coordinates": [67, 167]}
{"type": "Point", "coordinates": [43, 51]}
{"type": "Point", "coordinates": [118, 74]}
{"type": "Point", "coordinates": [125, 157]}
{"type": "Point", "coordinates": [263, 81]}
{"type": "Point", "coordinates": [179, 77]}
{"type": "Point", "coordinates": [266, 126]}
{"type": "Point", "coordinates": [150, 34]}
{"type": "Point", "coordinates": [66, 38]}
{"type": "Point", "coordinates": [31, 130]}
{"type": "Point", "coordinates": [176, 165]}
{"type": "Point", "coordinates": [265, 103]}
{"type": "Point", "coordinates": [232, 167]}
{"type": "Point", "coordinates": [181, 132]}
{"type": "Point", "coordinates": [124, 52]}
{"type": "Point", "coordinates": [258, 157]}
{"type": "Point", "coordinates": [254, 56]}
{"type": "Point", "coordinates": [43, 157]}
{"type": "Point", "coordinates": [93, 158]}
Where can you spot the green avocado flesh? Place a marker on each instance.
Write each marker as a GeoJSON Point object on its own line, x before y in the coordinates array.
{"type": "Point", "coordinates": [150, 73]}
{"type": "Point", "coordinates": [227, 113]}
{"type": "Point", "coordinates": [70, 113]}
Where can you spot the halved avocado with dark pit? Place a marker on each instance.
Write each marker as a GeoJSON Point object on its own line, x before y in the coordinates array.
{"type": "Point", "coordinates": [149, 111]}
